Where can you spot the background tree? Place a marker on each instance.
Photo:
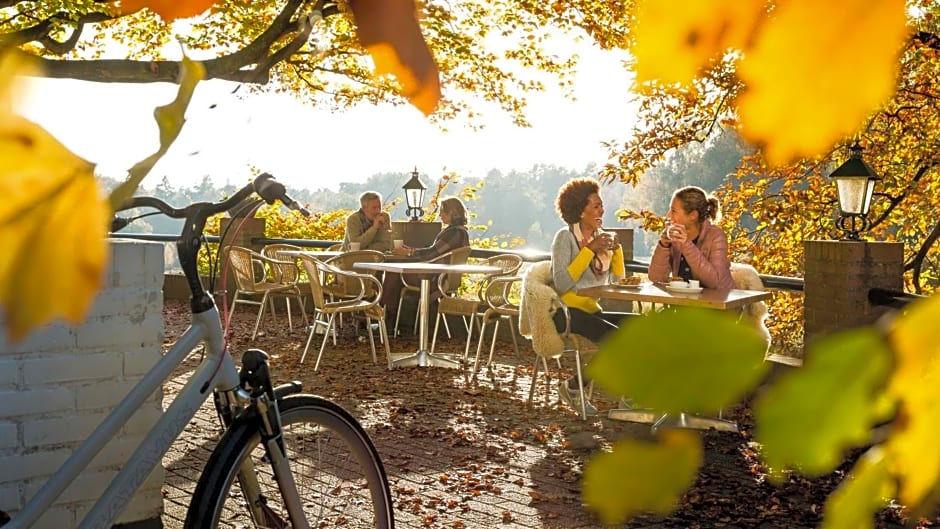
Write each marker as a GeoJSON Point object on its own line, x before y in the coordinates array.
{"type": "Point", "coordinates": [282, 46]}
{"type": "Point", "coordinates": [769, 210]}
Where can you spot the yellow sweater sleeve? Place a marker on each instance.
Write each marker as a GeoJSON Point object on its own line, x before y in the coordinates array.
{"type": "Point", "coordinates": [580, 263]}
{"type": "Point", "coordinates": [578, 266]}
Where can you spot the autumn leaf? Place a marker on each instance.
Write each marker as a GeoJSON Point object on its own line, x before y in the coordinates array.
{"type": "Point", "coordinates": [638, 476]}
{"type": "Point", "coordinates": [676, 39]}
{"type": "Point", "coordinates": [53, 222]}
{"type": "Point", "coordinates": [389, 31]}
{"type": "Point", "coordinates": [805, 86]}
{"type": "Point", "coordinates": [861, 494]}
{"type": "Point", "coordinates": [169, 10]}
{"type": "Point", "coordinates": [811, 416]}
{"type": "Point", "coordinates": [707, 366]}
{"type": "Point", "coordinates": [915, 338]}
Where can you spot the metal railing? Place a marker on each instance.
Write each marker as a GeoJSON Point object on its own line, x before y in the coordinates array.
{"type": "Point", "coordinates": [529, 256]}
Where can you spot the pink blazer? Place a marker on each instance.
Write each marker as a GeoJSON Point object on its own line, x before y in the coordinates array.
{"type": "Point", "coordinates": [708, 259]}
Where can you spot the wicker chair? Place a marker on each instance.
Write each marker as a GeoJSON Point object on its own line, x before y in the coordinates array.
{"type": "Point", "coordinates": [286, 273]}
{"type": "Point", "coordinates": [473, 303]}
{"type": "Point", "coordinates": [367, 302]}
{"type": "Point", "coordinates": [500, 306]}
{"type": "Point", "coordinates": [243, 262]}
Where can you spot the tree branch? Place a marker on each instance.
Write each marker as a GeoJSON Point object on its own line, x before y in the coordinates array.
{"type": "Point", "coordinates": [231, 67]}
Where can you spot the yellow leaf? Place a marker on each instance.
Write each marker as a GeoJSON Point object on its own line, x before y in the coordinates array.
{"type": "Point", "coordinates": [843, 73]}
{"type": "Point", "coordinates": [52, 228]}
{"type": "Point", "coordinates": [675, 39]}
{"type": "Point", "coordinates": [389, 31]}
{"type": "Point", "coordinates": [638, 476]}
{"type": "Point", "coordinates": [168, 10]}
{"type": "Point", "coordinates": [854, 503]}
{"type": "Point", "coordinates": [916, 341]}
{"type": "Point", "coordinates": [811, 416]}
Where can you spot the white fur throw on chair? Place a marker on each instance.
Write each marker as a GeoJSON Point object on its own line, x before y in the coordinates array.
{"type": "Point", "coordinates": [746, 278]}
{"type": "Point", "coordinates": [538, 305]}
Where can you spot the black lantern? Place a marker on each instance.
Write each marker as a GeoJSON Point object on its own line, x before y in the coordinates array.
{"type": "Point", "coordinates": [855, 181]}
{"type": "Point", "coordinates": [414, 196]}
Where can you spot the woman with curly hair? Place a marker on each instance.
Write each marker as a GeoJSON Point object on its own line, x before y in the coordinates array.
{"type": "Point", "coordinates": [691, 247]}
{"type": "Point", "coordinates": [584, 256]}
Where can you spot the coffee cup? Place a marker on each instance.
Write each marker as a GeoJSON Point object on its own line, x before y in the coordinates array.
{"type": "Point", "coordinates": [354, 246]}
{"type": "Point", "coordinates": [398, 243]}
{"type": "Point", "coordinates": [678, 284]}
{"type": "Point", "coordinates": [693, 283]}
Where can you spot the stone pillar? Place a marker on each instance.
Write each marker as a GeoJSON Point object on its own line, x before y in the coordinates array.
{"type": "Point", "coordinates": [837, 277]}
{"type": "Point", "coordinates": [241, 233]}
{"type": "Point", "coordinates": [416, 234]}
{"type": "Point", "coordinates": [60, 382]}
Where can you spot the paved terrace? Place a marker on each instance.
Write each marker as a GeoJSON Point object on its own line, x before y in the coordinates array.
{"type": "Point", "coordinates": [457, 456]}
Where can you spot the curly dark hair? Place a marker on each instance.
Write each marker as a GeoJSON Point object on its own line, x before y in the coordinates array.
{"type": "Point", "coordinates": [573, 198]}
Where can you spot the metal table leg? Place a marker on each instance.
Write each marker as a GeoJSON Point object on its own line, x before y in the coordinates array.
{"type": "Point", "coordinates": [423, 357]}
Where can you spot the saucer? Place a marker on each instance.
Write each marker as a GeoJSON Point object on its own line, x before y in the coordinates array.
{"type": "Point", "coordinates": [683, 290]}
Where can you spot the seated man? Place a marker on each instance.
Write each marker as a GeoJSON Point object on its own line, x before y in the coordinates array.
{"type": "Point", "coordinates": [370, 225]}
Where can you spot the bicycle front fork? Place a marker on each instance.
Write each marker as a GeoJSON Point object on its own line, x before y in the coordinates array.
{"type": "Point", "coordinates": [257, 400]}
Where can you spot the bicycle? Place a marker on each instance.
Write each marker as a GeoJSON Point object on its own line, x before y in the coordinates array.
{"type": "Point", "coordinates": [299, 460]}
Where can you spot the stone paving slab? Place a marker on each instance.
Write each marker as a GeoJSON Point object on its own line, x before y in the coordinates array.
{"type": "Point", "coordinates": [458, 455]}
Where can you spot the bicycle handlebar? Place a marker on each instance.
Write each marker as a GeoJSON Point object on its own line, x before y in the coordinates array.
{"type": "Point", "coordinates": [264, 185]}
{"type": "Point", "coordinates": [196, 216]}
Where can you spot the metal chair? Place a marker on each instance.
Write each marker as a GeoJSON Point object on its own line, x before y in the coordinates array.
{"type": "Point", "coordinates": [367, 302]}
{"type": "Point", "coordinates": [243, 262]}
{"type": "Point", "coordinates": [537, 306]}
{"type": "Point", "coordinates": [472, 303]}
{"type": "Point", "coordinates": [451, 282]}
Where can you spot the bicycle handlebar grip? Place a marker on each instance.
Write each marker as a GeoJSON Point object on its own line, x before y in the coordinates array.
{"type": "Point", "coordinates": [270, 190]}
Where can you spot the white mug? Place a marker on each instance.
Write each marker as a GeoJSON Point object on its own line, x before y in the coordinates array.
{"type": "Point", "coordinates": [693, 283]}
{"type": "Point", "coordinates": [398, 243]}
{"type": "Point", "coordinates": [354, 246]}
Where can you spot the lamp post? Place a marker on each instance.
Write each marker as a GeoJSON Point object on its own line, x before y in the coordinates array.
{"type": "Point", "coordinates": [414, 196]}
{"type": "Point", "coordinates": [855, 181]}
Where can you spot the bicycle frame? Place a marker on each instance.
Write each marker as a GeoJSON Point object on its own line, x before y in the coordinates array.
{"type": "Point", "coordinates": [216, 373]}
{"type": "Point", "coordinates": [205, 327]}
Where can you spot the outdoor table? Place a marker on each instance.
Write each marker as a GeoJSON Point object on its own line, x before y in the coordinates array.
{"type": "Point", "coordinates": [710, 298]}
{"type": "Point", "coordinates": [423, 357]}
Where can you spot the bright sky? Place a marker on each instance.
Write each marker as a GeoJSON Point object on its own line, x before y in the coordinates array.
{"type": "Point", "coordinates": [112, 125]}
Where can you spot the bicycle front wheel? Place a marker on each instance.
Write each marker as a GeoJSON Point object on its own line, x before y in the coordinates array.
{"type": "Point", "coordinates": [339, 476]}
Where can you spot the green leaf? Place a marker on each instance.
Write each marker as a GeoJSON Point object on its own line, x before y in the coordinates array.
{"type": "Point", "coordinates": [640, 477]}
{"type": "Point", "coordinates": [170, 119]}
{"type": "Point", "coordinates": [813, 414]}
{"type": "Point", "coordinates": [861, 494]}
{"type": "Point", "coordinates": [693, 360]}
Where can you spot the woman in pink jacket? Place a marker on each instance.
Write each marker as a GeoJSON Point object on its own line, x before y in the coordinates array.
{"type": "Point", "coordinates": [691, 247]}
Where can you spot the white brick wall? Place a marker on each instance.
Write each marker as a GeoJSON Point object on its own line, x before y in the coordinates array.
{"type": "Point", "coordinates": [58, 383]}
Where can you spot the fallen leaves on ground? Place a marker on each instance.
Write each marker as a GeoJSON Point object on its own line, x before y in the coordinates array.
{"type": "Point", "coordinates": [459, 459]}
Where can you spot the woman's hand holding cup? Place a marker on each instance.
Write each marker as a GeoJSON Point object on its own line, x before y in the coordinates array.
{"type": "Point", "coordinates": [676, 233]}
{"type": "Point", "coordinates": [603, 241]}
